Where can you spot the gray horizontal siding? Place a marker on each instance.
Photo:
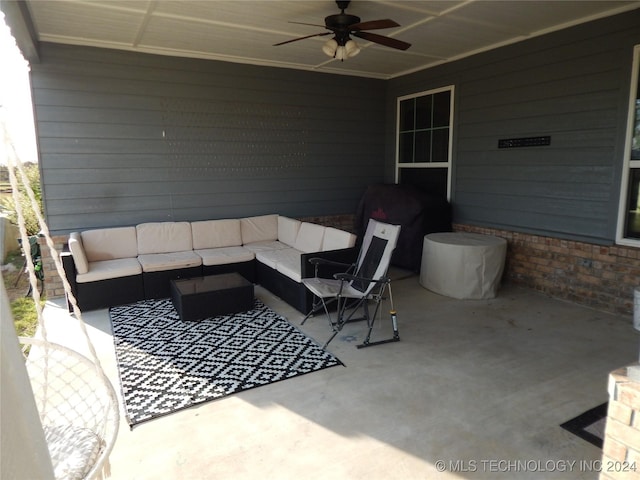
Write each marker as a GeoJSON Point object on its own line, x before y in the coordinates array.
{"type": "Point", "coordinates": [126, 138]}
{"type": "Point", "coordinates": [572, 85]}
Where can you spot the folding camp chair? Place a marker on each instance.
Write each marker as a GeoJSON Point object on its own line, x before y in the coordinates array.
{"type": "Point", "coordinates": [364, 281]}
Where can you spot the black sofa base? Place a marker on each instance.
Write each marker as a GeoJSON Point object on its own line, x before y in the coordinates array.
{"type": "Point", "coordinates": [106, 293]}
{"type": "Point", "coordinates": [246, 269]}
{"type": "Point", "coordinates": [149, 285]}
{"type": "Point", "coordinates": [292, 292]}
{"type": "Point", "coordinates": [158, 284]}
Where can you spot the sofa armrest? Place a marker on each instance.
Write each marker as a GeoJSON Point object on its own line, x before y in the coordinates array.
{"type": "Point", "coordinates": [69, 267]}
{"type": "Point", "coordinates": [341, 257]}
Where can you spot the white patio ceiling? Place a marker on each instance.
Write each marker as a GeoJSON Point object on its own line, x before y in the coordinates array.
{"type": "Point", "coordinates": [244, 31]}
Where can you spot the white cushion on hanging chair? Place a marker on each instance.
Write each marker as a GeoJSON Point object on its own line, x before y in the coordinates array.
{"type": "Point", "coordinates": [73, 450]}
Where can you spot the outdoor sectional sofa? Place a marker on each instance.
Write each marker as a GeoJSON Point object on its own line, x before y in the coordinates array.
{"type": "Point", "coordinates": [120, 265]}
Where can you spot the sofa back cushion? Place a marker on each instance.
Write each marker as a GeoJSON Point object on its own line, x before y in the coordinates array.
{"type": "Point", "coordinates": [77, 253]}
{"type": "Point", "coordinates": [164, 237]}
{"type": "Point", "coordinates": [309, 238]}
{"type": "Point", "coordinates": [262, 228]}
{"type": "Point", "coordinates": [335, 239]}
{"type": "Point", "coordinates": [109, 243]}
{"type": "Point", "coordinates": [288, 230]}
{"type": "Point", "coordinates": [216, 234]}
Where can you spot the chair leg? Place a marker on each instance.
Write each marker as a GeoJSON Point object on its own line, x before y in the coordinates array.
{"type": "Point", "coordinates": [394, 324]}
{"type": "Point", "coordinates": [333, 335]}
{"type": "Point", "coordinates": [316, 307]}
{"type": "Point", "coordinates": [343, 306]}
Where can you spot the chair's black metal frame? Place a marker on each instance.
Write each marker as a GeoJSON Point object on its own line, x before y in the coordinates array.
{"type": "Point", "coordinates": [362, 288]}
{"type": "Point", "coordinates": [347, 307]}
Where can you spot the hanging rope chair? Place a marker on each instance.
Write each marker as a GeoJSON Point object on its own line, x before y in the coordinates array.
{"type": "Point", "coordinates": [76, 403]}
{"type": "Point", "coordinates": [77, 407]}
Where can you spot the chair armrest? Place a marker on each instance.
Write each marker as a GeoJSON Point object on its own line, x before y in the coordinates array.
{"type": "Point", "coordinates": [346, 256]}
{"type": "Point", "coordinates": [324, 261]}
{"type": "Point", "coordinates": [347, 277]}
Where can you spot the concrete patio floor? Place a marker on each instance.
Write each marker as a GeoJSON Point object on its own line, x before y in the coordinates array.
{"type": "Point", "coordinates": [479, 385]}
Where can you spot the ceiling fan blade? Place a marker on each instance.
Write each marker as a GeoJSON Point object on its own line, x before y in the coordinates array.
{"type": "Point", "coordinates": [374, 25]}
{"type": "Point", "coordinates": [310, 24]}
{"type": "Point", "coordinates": [382, 40]}
{"type": "Point", "coordinates": [302, 38]}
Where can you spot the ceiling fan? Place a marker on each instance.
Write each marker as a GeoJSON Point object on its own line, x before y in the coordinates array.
{"type": "Point", "coordinates": [342, 25]}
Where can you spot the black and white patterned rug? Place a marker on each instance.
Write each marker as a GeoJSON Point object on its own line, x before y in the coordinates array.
{"type": "Point", "coordinates": [167, 365]}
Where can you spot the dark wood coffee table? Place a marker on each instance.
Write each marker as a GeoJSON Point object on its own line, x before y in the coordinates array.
{"type": "Point", "coordinates": [210, 296]}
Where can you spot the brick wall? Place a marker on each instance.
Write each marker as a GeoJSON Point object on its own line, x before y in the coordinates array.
{"type": "Point", "coordinates": [621, 448]}
{"type": "Point", "coordinates": [343, 222]}
{"type": "Point", "coordinates": [597, 276]}
{"type": "Point", "coordinates": [52, 282]}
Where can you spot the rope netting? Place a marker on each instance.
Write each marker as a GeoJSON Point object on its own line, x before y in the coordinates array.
{"type": "Point", "coordinates": [77, 404]}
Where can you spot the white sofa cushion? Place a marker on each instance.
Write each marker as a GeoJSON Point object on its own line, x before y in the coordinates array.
{"type": "Point", "coordinates": [265, 246]}
{"type": "Point", "coordinates": [262, 228]}
{"type": "Point", "coordinates": [106, 269]}
{"type": "Point", "coordinates": [309, 237]}
{"type": "Point", "coordinates": [268, 257]}
{"type": "Point", "coordinates": [225, 255]}
{"type": "Point", "coordinates": [156, 262]}
{"type": "Point", "coordinates": [77, 253]}
{"type": "Point", "coordinates": [335, 239]}
{"type": "Point", "coordinates": [109, 243]}
{"type": "Point", "coordinates": [164, 237]}
{"type": "Point", "coordinates": [271, 258]}
{"type": "Point", "coordinates": [288, 230]}
{"type": "Point", "coordinates": [216, 233]}
{"type": "Point", "coordinates": [289, 265]}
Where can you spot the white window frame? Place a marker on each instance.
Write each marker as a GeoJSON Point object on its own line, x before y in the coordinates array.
{"type": "Point", "coordinates": [628, 164]}
{"type": "Point", "coordinates": [446, 164]}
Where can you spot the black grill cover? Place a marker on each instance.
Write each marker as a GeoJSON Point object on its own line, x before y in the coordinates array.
{"type": "Point", "coordinates": [416, 211]}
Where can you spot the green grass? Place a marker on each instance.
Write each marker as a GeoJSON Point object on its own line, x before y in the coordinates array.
{"type": "Point", "coordinates": [25, 317]}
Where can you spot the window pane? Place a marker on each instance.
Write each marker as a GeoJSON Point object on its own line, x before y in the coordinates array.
{"type": "Point", "coordinates": [441, 107]}
{"type": "Point", "coordinates": [632, 228]}
{"type": "Point", "coordinates": [407, 113]}
{"type": "Point", "coordinates": [631, 213]}
{"type": "Point", "coordinates": [406, 148]}
{"type": "Point", "coordinates": [440, 149]}
{"type": "Point", "coordinates": [423, 146]}
{"type": "Point", "coordinates": [423, 111]}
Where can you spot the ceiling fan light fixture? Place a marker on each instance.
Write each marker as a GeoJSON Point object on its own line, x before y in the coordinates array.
{"type": "Point", "coordinates": [352, 48]}
{"type": "Point", "coordinates": [341, 53]}
{"type": "Point", "coordinates": [330, 47]}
